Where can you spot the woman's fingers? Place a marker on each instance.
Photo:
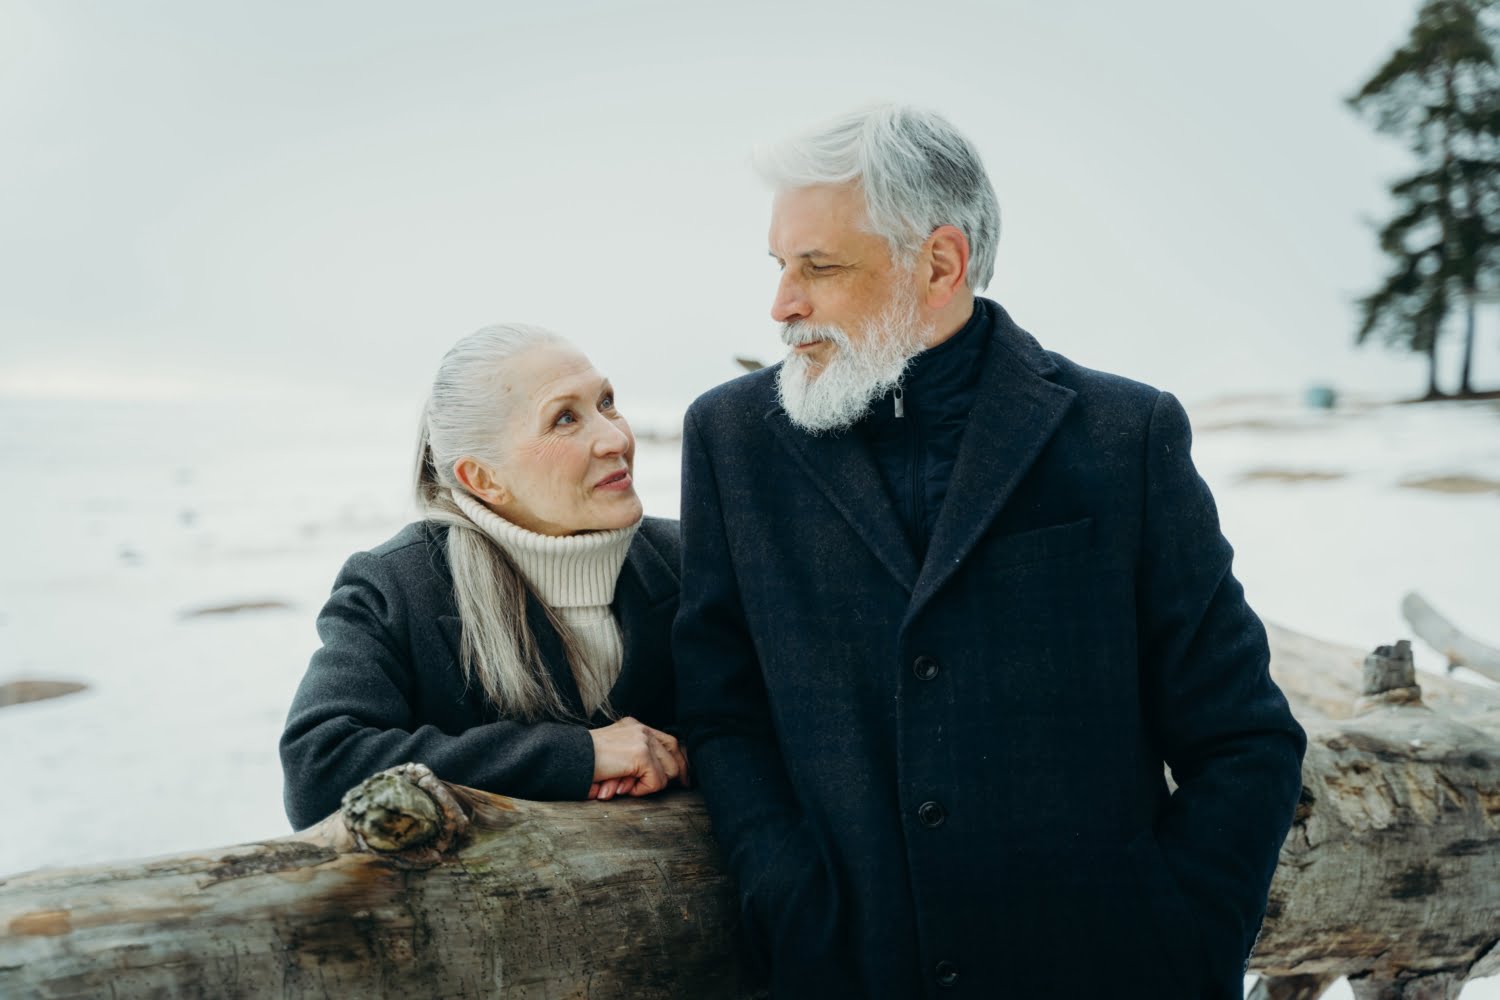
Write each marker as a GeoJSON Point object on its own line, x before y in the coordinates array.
{"type": "Point", "coordinates": [671, 763]}
{"type": "Point", "coordinates": [653, 776]}
{"type": "Point", "coordinates": [676, 764]}
{"type": "Point", "coordinates": [631, 758]}
{"type": "Point", "coordinates": [679, 755]}
{"type": "Point", "coordinates": [662, 769]}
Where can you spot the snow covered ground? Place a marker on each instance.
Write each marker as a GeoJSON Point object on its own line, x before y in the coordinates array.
{"type": "Point", "coordinates": [127, 517]}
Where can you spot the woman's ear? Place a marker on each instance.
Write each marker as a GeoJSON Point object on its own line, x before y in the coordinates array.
{"type": "Point", "coordinates": [478, 480]}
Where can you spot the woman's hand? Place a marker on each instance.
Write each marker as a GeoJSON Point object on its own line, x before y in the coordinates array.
{"type": "Point", "coordinates": [631, 758]}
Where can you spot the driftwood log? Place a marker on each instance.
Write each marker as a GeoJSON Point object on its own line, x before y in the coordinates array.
{"type": "Point", "coordinates": [1441, 634]}
{"type": "Point", "coordinates": [1391, 873]}
{"type": "Point", "coordinates": [415, 888]}
{"type": "Point", "coordinates": [1391, 876]}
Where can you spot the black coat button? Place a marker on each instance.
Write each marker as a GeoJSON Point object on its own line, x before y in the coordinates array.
{"type": "Point", "coordinates": [925, 667]}
{"type": "Point", "coordinates": [946, 973]}
{"type": "Point", "coordinates": [931, 814]}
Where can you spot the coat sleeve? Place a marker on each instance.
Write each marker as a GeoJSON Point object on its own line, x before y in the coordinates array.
{"type": "Point", "coordinates": [1219, 721]}
{"type": "Point", "coordinates": [789, 903]}
{"type": "Point", "coordinates": [354, 716]}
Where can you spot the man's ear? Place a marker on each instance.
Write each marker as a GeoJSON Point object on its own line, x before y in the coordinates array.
{"type": "Point", "coordinates": [478, 480]}
{"type": "Point", "coordinates": [948, 265]}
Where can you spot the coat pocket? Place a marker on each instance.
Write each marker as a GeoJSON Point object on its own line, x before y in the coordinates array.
{"type": "Point", "coordinates": [1038, 544]}
{"type": "Point", "coordinates": [1170, 930]}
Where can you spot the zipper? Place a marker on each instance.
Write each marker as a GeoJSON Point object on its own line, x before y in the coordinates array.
{"type": "Point", "coordinates": [914, 461]}
{"type": "Point", "coordinates": [918, 522]}
{"type": "Point", "coordinates": [914, 465]}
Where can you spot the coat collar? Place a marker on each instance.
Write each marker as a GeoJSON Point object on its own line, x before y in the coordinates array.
{"type": "Point", "coordinates": [643, 593]}
{"type": "Point", "coordinates": [1016, 411]}
{"type": "Point", "coordinates": [644, 605]}
{"type": "Point", "coordinates": [1017, 408]}
{"type": "Point", "coordinates": [843, 469]}
{"type": "Point", "coordinates": [647, 571]}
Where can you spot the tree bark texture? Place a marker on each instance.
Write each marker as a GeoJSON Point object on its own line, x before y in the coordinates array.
{"type": "Point", "coordinates": [529, 899]}
{"type": "Point", "coordinates": [1432, 383]}
{"type": "Point", "coordinates": [1291, 987]}
{"type": "Point", "coordinates": [1391, 875]}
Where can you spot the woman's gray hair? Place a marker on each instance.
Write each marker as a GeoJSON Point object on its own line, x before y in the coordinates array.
{"type": "Point", "coordinates": [917, 172]}
{"type": "Point", "coordinates": [464, 416]}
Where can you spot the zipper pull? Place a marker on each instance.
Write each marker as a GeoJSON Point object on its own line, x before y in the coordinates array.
{"type": "Point", "coordinates": [900, 403]}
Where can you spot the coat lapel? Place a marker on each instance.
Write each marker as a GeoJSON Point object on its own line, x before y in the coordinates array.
{"type": "Point", "coordinates": [549, 645]}
{"type": "Point", "coordinates": [644, 607]}
{"type": "Point", "coordinates": [1015, 412]}
{"type": "Point", "coordinates": [841, 467]}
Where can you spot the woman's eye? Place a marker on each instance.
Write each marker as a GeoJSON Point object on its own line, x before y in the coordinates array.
{"type": "Point", "coordinates": [565, 417]}
{"type": "Point", "coordinates": [607, 403]}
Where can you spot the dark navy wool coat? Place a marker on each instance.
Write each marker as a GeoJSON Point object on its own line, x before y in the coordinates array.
{"type": "Point", "coordinates": [386, 687]}
{"type": "Point", "coordinates": [946, 778]}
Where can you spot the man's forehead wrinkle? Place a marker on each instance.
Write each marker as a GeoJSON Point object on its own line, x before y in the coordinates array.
{"type": "Point", "coordinates": [804, 255]}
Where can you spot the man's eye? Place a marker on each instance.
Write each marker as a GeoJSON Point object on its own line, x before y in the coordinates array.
{"type": "Point", "coordinates": [565, 417]}
{"type": "Point", "coordinates": [607, 403]}
{"type": "Point", "coordinates": [823, 268]}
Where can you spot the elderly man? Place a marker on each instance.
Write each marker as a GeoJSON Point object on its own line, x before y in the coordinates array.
{"type": "Point", "coordinates": [950, 602]}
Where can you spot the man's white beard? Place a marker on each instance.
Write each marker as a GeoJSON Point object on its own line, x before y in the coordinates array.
{"type": "Point", "coordinates": [854, 377]}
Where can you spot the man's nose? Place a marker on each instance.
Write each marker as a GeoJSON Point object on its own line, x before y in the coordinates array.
{"type": "Point", "coordinates": [790, 304]}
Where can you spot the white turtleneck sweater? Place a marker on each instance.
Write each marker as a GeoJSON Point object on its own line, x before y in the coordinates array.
{"type": "Point", "coordinates": [575, 576]}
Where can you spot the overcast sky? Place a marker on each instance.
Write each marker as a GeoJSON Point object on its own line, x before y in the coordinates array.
{"type": "Point", "coordinates": [211, 198]}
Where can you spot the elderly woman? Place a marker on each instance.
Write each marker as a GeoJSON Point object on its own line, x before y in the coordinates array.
{"type": "Point", "coordinates": [516, 639]}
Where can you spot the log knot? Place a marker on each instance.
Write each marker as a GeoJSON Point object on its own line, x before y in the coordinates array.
{"type": "Point", "coordinates": [405, 812]}
{"type": "Point", "coordinates": [1389, 667]}
{"type": "Point", "coordinates": [1390, 678]}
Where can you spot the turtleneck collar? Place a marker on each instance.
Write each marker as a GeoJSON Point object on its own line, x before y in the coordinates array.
{"type": "Point", "coordinates": [565, 571]}
{"type": "Point", "coordinates": [937, 381]}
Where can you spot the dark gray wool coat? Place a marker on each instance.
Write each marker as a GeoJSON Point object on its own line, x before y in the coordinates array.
{"type": "Point", "coordinates": [946, 779]}
{"type": "Point", "coordinates": [387, 687]}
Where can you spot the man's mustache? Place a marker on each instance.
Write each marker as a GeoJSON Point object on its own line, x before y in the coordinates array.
{"type": "Point", "coordinates": [796, 334]}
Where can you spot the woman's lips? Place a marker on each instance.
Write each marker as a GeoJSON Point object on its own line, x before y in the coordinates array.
{"type": "Point", "coordinates": [615, 481]}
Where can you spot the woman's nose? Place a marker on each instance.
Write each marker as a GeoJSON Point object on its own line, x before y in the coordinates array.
{"type": "Point", "coordinates": [613, 438]}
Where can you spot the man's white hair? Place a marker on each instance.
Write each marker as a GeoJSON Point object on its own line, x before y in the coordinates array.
{"type": "Point", "coordinates": [917, 172]}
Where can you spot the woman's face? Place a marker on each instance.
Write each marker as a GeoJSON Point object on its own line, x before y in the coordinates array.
{"type": "Point", "coordinates": [567, 453]}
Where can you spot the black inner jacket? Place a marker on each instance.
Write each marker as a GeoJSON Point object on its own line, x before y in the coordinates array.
{"type": "Point", "coordinates": [914, 431]}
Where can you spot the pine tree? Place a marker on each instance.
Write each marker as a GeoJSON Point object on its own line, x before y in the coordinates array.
{"type": "Point", "coordinates": [1440, 92]}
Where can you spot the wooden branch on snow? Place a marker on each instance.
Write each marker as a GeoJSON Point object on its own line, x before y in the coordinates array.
{"type": "Point", "coordinates": [1442, 635]}
{"type": "Point", "coordinates": [1391, 875]}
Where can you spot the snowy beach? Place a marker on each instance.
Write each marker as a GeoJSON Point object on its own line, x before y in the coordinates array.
{"type": "Point", "coordinates": [172, 556]}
